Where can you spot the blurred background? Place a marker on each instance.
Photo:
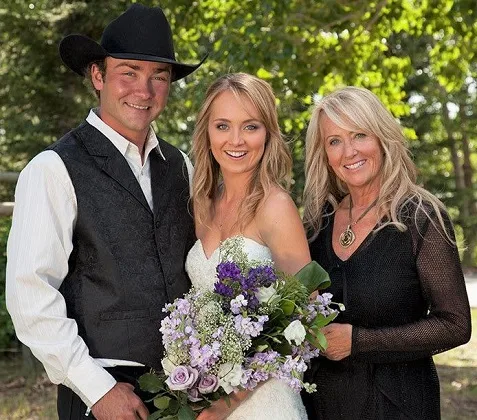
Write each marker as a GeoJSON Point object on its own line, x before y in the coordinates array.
{"type": "Point", "coordinates": [418, 56]}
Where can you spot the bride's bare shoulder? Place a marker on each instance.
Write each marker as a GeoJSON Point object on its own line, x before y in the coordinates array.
{"type": "Point", "coordinates": [278, 200]}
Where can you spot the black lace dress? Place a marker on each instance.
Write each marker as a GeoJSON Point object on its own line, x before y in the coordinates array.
{"type": "Point", "coordinates": [406, 299]}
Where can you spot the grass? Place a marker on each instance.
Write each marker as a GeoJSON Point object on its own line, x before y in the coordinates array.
{"type": "Point", "coordinates": [458, 376]}
{"type": "Point", "coordinates": [22, 398]}
{"type": "Point", "coordinates": [34, 399]}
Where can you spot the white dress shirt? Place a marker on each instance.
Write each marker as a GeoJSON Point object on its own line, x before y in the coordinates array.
{"type": "Point", "coordinates": [38, 248]}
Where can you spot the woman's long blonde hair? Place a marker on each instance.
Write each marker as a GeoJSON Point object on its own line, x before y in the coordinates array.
{"type": "Point", "coordinates": [358, 109]}
{"type": "Point", "coordinates": [273, 169]}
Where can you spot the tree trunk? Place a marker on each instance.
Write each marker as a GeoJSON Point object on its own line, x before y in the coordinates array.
{"type": "Point", "coordinates": [470, 223]}
{"type": "Point", "coordinates": [31, 367]}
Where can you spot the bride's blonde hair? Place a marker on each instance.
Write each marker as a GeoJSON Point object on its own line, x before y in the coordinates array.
{"type": "Point", "coordinates": [274, 167]}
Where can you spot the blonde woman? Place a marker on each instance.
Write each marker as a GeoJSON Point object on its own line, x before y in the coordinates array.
{"type": "Point", "coordinates": [242, 169]}
{"type": "Point", "coordinates": [389, 247]}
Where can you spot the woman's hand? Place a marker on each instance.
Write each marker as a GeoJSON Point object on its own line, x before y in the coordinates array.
{"type": "Point", "coordinates": [220, 410]}
{"type": "Point", "coordinates": [217, 411]}
{"type": "Point", "coordinates": [339, 341]}
{"type": "Point", "coordinates": [314, 295]}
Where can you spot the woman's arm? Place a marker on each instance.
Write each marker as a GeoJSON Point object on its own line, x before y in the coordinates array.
{"type": "Point", "coordinates": [220, 410]}
{"type": "Point", "coordinates": [448, 322]}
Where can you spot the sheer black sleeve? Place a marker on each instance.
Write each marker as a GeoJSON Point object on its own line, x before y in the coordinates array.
{"type": "Point", "coordinates": [447, 323]}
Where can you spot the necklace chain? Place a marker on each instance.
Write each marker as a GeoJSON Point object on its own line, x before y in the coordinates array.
{"type": "Point", "coordinates": [348, 237]}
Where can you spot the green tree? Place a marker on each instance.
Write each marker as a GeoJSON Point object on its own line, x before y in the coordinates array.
{"type": "Point", "coordinates": [7, 333]}
{"type": "Point", "coordinates": [416, 55]}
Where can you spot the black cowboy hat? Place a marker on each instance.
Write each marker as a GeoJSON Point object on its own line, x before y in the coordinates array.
{"type": "Point", "coordinates": [140, 33]}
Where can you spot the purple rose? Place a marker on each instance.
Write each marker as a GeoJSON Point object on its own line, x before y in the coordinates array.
{"type": "Point", "coordinates": [182, 377]}
{"type": "Point", "coordinates": [193, 395]}
{"type": "Point", "coordinates": [208, 384]}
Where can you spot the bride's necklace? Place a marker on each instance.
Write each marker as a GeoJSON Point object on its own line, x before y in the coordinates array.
{"type": "Point", "coordinates": [347, 238]}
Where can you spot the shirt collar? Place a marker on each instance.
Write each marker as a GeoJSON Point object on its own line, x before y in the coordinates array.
{"type": "Point", "coordinates": [120, 142]}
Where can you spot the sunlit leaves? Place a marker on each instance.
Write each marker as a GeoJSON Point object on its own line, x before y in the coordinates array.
{"type": "Point", "coordinates": [303, 48]}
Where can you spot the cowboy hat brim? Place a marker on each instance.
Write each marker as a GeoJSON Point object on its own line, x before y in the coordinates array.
{"type": "Point", "coordinates": [78, 51]}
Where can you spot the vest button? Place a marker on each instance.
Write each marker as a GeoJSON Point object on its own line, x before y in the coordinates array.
{"type": "Point", "coordinates": [158, 225]}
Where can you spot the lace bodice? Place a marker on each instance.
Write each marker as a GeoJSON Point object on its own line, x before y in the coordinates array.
{"type": "Point", "coordinates": [201, 269]}
{"type": "Point", "coordinates": [274, 399]}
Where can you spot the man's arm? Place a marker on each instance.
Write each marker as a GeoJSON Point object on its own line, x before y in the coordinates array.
{"type": "Point", "coordinates": [39, 245]}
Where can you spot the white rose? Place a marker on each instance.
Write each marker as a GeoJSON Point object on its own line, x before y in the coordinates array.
{"type": "Point", "coordinates": [230, 376]}
{"type": "Point", "coordinates": [295, 332]}
{"type": "Point", "coordinates": [168, 366]}
{"type": "Point", "coordinates": [264, 294]}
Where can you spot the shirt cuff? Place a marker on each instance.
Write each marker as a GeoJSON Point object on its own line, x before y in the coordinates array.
{"type": "Point", "coordinates": [89, 381]}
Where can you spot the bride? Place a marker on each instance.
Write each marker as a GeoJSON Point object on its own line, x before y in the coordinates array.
{"type": "Point", "coordinates": [242, 169]}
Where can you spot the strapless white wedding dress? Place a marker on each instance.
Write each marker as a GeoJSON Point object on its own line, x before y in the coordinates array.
{"type": "Point", "coordinates": [274, 400]}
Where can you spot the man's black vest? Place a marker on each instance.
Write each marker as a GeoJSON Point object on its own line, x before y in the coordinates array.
{"type": "Point", "coordinates": [127, 261]}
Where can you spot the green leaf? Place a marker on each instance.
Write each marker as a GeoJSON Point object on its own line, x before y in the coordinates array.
{"type": "Point", "coordinates": [261, 347]}
{"type": "Point", "coordinates": [321, 321]}
{"type": "Point", "coordinates": [284, 348]}
{"type": "Point", "coordinates": [159, 415]}
{"type": "Point", "coordinates": [186, 413]}
{"type": "Point", "coordinates": [151, 383]}
{"type": "Point", "coordinates": [173, 408]}
{"type": "Point", "coordinates": [287, 306]}
{"type": "Point", "coordinates": [162, 402]}
{"type": "Point", "coordinates": [331, 317]}
{"type": "Point", "coordinates": [264, 74]}
{"type": "Point", "coordinates": [317, 339]}
{"type": "Point", "coordinates": [314, 277]}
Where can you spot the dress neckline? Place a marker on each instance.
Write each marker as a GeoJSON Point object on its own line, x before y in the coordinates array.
{"type": "Point", "coordinates": [369, 237]}
{"type": "Point", "coordinates": [245, 238]}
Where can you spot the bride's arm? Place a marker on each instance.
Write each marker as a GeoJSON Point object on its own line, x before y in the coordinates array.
{"type": "Point", "coordinates": [281, 229]}
{"type": "Point", "coordinates": [220, 409]}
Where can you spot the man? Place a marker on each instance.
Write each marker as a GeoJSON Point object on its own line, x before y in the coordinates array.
{"type": "Point", "coordinates": [101, 226]}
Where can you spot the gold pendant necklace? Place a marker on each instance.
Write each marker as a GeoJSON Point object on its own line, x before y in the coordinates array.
{"type": "Point", "coordinates": [347, 238]}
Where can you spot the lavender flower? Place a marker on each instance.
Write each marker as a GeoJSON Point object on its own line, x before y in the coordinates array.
{"type": "Point", "coordinates": [324, 299]}
{"type": "Point", "coordinates": [246, 327]}
{"type": "Point", "coordinates": [229, 270]}
{"type": "Point", "coordinates": [223, 289]}
{"type": "Point", "coordinates": [253, 302]}
{"type": "Point", "coordinates": [263, 276]}
{"type": "Point", "coordinates": [205, 356]}
{"type": "Point", "coordinates": [237, 304]}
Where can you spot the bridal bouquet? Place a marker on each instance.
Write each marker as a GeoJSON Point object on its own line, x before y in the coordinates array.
{"type": "Point", "coordinates": [256, 324]}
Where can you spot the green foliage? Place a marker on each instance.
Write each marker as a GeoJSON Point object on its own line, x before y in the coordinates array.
{"type": "Point", "coordinates": [7, 333]}
{"type": "Point", "coordinates": [419, 57]}
{"type": "Point", "coordinates": [313, 276]}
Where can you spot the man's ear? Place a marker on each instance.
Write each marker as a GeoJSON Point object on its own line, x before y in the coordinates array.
{"type": "Point", "coordinates": [96, 77]}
